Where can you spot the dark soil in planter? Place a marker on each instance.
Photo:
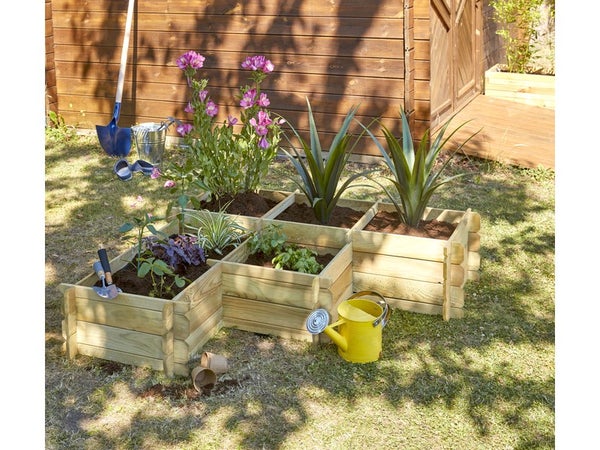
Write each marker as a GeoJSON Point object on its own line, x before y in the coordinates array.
{"type": "Point", "coordinates": [127, 280]}
{"type": "Point", "coordinates": [246, 204]}
{"type": "Point", "coordinates": [341, 217]}
{"type": "Point", "coordinates": [254, 205]}
{"type": "Point", "coordinates": [387, 222]}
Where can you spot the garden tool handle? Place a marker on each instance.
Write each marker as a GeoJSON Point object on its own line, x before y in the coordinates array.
{"type": "Point", "coordinates": [105, 265]}
{"type": "Point", "coordinates": [385, 314]}
{"type": "Point", "coordinates": [124, 50]}
{"type": "Point", "coordinates": [99, 270]}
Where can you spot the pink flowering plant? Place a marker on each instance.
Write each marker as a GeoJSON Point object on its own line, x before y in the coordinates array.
{"type": "Point", "coordinates": [229, 157]}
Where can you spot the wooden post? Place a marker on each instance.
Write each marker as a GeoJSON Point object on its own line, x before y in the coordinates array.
{"type": "Point", "coordinates": [316, 338]}
{"type": "Point", "coordinates": [168, 341]}
{"type": "Point", "coordinates": [69, 323]}
{"type": "Point", "coordinates": [446, 294]}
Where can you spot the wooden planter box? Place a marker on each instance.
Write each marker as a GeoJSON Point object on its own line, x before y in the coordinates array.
{"type": "Point", "coordinates": [416, 274]}
{"type": "Point", "coordinates": [531, 89]}
{"type": "Point", "coordinates": [140, 330]}
{"type": "Point", "coordinates": [277, 302]}
{"type": "Point", "coordinates": [419, 274]}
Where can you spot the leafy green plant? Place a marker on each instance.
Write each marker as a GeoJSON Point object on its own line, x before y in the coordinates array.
{"type": "Point", "coordinates": [57, 128]}
{"type": "Point", "coordinates": [270, 240]}
{"type": "Point", "coordinates": [414, 175]}
{"type": "Point", "coordinates": [518, 20]}
{"type": "Point", "coordinates": [320, 176]}
{"type": "Point", "coordinates": [299, 259]}
{"type": "Point", "coordinates": [143, 223]}
{"type": "Point", "coordinates": [159, 272]}
{"type": "Point", "coordinates": [164, 258]}
{"type": "Point", "coordinates": [217, 231]}
{"type": "Point", "coordinates": [182, 179]}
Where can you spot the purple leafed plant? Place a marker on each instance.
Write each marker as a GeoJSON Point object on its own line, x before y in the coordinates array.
{"type": "Point", "coordinates": [178, 250]}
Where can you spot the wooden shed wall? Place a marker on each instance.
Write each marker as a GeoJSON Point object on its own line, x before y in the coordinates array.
{"type": "Point", "coordinates": [51, 100]}
{"type": "Point", "coordinates": [336, 53]}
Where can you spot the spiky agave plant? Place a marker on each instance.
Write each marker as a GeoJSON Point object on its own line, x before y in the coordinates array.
{"type": "Point", "coordinates": [414, 179]}
{"type": "Point", "coordinates": [320, 176]}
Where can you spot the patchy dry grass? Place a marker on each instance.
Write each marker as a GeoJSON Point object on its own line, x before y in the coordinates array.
{"type": "Point", "coordinates": [485, 381]}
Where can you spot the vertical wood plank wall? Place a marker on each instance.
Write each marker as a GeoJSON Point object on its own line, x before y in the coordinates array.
{"type": "Point", "coordinates": [336, 53]}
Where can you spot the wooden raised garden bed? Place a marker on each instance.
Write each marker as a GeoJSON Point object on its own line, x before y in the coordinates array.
{"type": "Point", "coordinates": [413, 273]}
{"type": "Point", "coordinates": [277, 302]}
{"type": "Point", "coordinates": [423, 275]}
{"type": "Point", "coordinates": [141, 330]}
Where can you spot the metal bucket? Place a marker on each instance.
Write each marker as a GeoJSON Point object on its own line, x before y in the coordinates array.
{"type": "Point", "coordinates": [150, 141]}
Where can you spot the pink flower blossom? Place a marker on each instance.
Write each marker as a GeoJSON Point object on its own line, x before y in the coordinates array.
{"type": "Point", "coordinates": [202, 95]}
{"type": "Point", "coordinates": [263, 100]}
{"type": "Point", "coordinates": [189, 108]}
{"type": "Point", "coordinates": [211, 109]}
{"type": "Point", "coordinates": [268, 67]}
{"type": "Point", "coordinates": [261, 126]}
{"type": "Point", "coordinates": [263, 119]}
{"type": "Point", "coordinates": [169, 184]}
{"type": "Point", "coordinates": [258, 62]}
{"type": "Point", "coordinates": [231, 121]}
{"type": "Point", "coordinates": [263, 143]}
{"type": "Point", "coordinates": [155, 173]}
{"type": "Point", "coordinates": [184, 129]}
{"type": "Point", "coordinates": [190, 59]}
{"type": "Point", "coordinates": [248, 99]}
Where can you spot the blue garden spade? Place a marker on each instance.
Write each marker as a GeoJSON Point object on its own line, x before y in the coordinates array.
{"type": "Point", "coordinates": [114, 140]}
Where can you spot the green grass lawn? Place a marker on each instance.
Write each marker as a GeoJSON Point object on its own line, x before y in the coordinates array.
{"type": "Point", "coordinates": [486, 381]}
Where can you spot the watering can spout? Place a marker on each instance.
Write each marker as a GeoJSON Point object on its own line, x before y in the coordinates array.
{"type": "Point", "coordinates": [336, 337]}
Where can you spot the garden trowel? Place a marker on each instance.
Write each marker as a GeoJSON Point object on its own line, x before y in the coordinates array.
{"type": "Point", "coordinates": [100, 290]}
{"type": "Point", "coordinates": [108, 287]}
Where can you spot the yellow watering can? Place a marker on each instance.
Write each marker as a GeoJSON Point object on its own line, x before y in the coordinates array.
{"type": "Point", "coordinates": [360, 326]}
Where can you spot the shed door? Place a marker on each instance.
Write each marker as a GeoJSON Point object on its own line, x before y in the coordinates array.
{"type": "Point", "coordinates": [455, 46]}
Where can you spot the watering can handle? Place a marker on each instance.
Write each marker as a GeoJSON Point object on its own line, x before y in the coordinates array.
{"type": "Point", "coordinates": [385, 315]}
{"type": "Point", "coordinates": [167, 124]}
